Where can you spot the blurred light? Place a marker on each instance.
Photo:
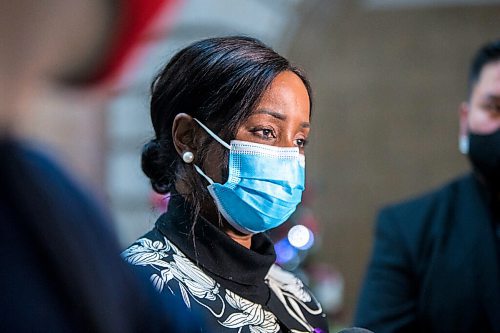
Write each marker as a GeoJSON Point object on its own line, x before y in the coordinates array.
{"type": "Point", "coordinates": [293, 264]}
{"type": "Point", "coordinates": [284, 251]}
{"type": "Point", "coordinates": [301, 237]}
{"type": "Point", "coordinates": [159, 201]}
{"type": "Point", "coordinates": [328, 286]}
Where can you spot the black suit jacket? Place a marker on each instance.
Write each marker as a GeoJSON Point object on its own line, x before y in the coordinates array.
{"type": "Point", "coordinates": [61, 269]}
{"type": "Point", "coordinates": [434, 266]}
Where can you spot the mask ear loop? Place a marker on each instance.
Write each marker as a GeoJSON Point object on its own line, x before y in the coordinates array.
{"type": "Point", "coordinates": [219, 140]}
{"type": "Point", "coordinates": [203, 174]}
{"type": "Point", "coordinates": [213, 135]}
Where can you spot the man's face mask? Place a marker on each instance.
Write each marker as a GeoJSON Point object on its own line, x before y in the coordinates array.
{"type": "Point", "coordinates": [264, 185]}
{"type": "Point", "coordinates": [484, 154]}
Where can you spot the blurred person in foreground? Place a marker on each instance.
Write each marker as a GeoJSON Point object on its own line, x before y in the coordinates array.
{"type": "Point", "coordinates": [436, 263]}
{"type": "Point", "coordinates": [61, 269]}
{"type": "Point", "coordinates": [231, 120]}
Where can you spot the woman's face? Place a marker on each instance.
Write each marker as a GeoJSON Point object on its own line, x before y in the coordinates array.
{"type": "Point", "coordinates": [282, 117]}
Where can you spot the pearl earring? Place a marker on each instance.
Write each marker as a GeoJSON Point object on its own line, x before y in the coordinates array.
{"type": "Point", "coordinates": [188, 157]}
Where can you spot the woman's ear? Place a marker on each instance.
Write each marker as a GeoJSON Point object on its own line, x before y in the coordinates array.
{"type": "Point", "coordinates": [183, 135]}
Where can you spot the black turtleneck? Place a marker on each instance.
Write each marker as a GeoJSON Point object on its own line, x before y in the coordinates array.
{"type": "Point", "coordinates": [221, 257]}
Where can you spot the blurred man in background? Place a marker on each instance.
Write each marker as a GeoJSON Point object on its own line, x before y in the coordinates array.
{"type": "Point", "coordinates": [61, 270]}
{"type": "Point", "coordinates": [435, 265]}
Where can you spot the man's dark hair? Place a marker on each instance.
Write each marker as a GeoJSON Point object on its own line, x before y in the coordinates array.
{"type": "Point", "coordinates": [487, 54]}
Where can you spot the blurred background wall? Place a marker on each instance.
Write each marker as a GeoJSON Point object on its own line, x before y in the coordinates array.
{"type": "Point", "coordinates": [388, 76]}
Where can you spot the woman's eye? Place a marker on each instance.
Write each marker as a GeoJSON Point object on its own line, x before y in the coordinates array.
{"type": "Point", "coordinates": [267, 133]}
{"type": "Point", "coordinates": [301, 142]}
{"type": "Point", "coordinates": [264, 133]}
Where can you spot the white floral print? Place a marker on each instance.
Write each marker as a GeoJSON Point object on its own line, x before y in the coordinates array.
{"type": "Point", "coordinates": [292, 294]}
{"type": "Point", "coordinates": [145, 252]}
{"type": "Point", "coordinates": [289, 283]}
{"type": "Point", "coordinates": [253, 315]}
{"type": "Point", "coordinates": [190, 278]}
{"type": "Point", "coordinates": [170, 265]}
{"type": "Point", "coordinates": [160, 280]}
{"type": "Point", "coordinates": [198, 283]}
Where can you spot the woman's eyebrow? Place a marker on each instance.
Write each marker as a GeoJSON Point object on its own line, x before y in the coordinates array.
{"type": "Point", "coordinates": [280, 116]}
{"type": "Point", "coordinates": [275, 114]}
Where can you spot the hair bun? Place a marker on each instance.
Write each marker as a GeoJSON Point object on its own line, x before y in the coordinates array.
{"type": "Point", "coordinates": [154, 164]}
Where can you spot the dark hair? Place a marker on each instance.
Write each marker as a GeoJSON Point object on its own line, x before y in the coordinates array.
{"type": "Point", "coordinates": [219, 81]}
{"type": "Point", "coordinates": [487, 54]}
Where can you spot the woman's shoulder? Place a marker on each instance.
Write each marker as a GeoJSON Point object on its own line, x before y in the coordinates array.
{"type": "Point", "coordinates": [149, 254]}
{"type": "Point", "coordinates": [148, 250]}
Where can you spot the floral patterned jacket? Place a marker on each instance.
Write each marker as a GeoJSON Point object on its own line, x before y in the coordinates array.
{"type": "Point", "coordinates": [239, 290]}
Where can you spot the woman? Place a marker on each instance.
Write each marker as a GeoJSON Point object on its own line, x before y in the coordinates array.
{"type": "Point", "coordinates": [231, 119]}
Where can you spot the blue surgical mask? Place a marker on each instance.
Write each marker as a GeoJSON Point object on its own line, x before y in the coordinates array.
{"type": "Point", "coordinates": [264, 185]}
